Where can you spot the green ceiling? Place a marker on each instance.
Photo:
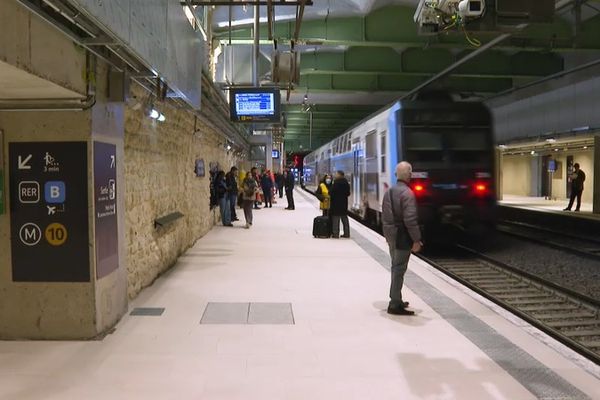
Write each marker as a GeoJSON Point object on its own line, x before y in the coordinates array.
{"type": "Point", "coordinates": [383, 53]}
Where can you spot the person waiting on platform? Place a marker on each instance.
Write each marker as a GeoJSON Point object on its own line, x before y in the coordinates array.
{"type": "Point", "coordinates": [280, 181]}
{"type": "Point", "coordinates": [249, 192]}
{"type": "Point", "coordinates": [266, 183]}
{"type": "Point", "coordinates": [323, 194]}
{"type": "Point", "coordinates": [577, 179]}
{"type": "Point", "coordinates": [232, 191]}
{"type": "Point", "coordinates": [290, 181]}
{"type": "Point", "coordinates": [402, 233]}
{"type": "Point", "coordinates": [256, 176]}
{"type": "Point", "coordinates": [340, 191]}
{"type": "Point", "coordinates": [222, 193]}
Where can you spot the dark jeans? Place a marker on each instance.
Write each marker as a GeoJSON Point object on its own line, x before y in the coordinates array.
{"type": "Point", "coordinates": [225, 210]}
{"type": "Point", "coordinates": [335, 225]}
{"type": "Point", "coordinates": [574, 194]}
{"type": "Point", "coordinates": [268, 195]}
{"type": "Point", "coordinates": [233, 197]}
{"type": "Point", "coordinates": [289, 194]}
{"type": "Point", "coordinates": [399, 266]}
{"type": "Point", "coordinates": [280, 190]}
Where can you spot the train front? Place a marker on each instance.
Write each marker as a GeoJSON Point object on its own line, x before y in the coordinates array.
{"type": "Point", "coordinates": [450, 146]}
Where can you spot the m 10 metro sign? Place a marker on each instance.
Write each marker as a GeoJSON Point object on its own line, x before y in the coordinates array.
{"type": "Point", "coordinates": [49, 211]}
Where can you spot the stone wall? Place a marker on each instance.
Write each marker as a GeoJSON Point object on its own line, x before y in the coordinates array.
{"type": "Point", "coordinates": [160, 179]}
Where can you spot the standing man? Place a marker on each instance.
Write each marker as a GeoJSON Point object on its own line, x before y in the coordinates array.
{"type": "Point", "coordinates": [402, 233]}
{"type": "Point", "coordinates": [289, 189]}
{"type": "Point", "coordinates": [266, 184]}
{"type": "Point", "coordinates": [280, 181]}
{"type": "Point", "coordinates": [577, 179]}
{"type": "Point", "coordinates": [232, 187]}
{"type": "Point", "coordinates": [340, 190]}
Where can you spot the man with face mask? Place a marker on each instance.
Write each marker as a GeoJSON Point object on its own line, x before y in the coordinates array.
{"type": "Point", "coordinates": [402, 233]}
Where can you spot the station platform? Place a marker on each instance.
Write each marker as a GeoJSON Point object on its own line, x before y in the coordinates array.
{"type": "Point", "coordinates": [272, 313]}
{"type": "Point", "coordinates": [542, 204]}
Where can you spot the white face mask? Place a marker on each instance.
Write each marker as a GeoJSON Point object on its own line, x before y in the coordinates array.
{"type": "Point", "coordinates": [328, 181]}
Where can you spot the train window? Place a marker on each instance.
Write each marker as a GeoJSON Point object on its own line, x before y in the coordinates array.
{"type": "Point", "coordinates": [371, 142]}
{"type": "Point", "coordinates": [383, 150]}
{"type": "Point", "coordinates": [422, 140]}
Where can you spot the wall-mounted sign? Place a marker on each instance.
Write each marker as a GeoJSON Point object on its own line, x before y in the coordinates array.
{"type": "Point", "coordinates": [105, 206]}
{"type": "Point", "coordinates": [199, 168]}
{"type": "Point", "coordinates": [49, 211]}
{"type": "Point", "coordinates": [255, 104]}
{"type": "Point", "coordinates": [275, 153]}
{"type": "Point", "coordinates": [2, 206]}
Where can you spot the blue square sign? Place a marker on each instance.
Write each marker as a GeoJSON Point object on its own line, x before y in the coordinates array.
{"type": "Point", "coordinates": [55, 192]}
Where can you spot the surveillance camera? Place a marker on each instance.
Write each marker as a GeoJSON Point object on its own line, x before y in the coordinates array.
{"type": "Point", "coordinates": [471, 8]}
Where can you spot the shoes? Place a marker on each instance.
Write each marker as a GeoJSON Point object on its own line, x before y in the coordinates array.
{"type": "Point", "coordinates": [257, 208]}
{"type": "Point", "coordinates": [346, 236]}
{"type": "Point", "coordinates": [236, 219]}
{"type": "Point", "coordinates": [567, 209]}
{"type": "Point", "coordinates": [288, 208]}
{"type": "Point", "coordinates": [335, 236]}
{"type": "Point", "coordinates": [247, 226]}
{"type": "Point", "coordinates": [271, 206]}
{"type": "Point", "coordinates": [228, 225]}
{"type": "Point", "coordinates": [577, 210]}
{"type": "Point", "coordinates": [399, 311]}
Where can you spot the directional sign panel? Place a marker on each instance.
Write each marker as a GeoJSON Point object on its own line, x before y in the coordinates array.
{"type": "Point", "coordinates": [105, 201]}
{"type": "Point", "coordinates": [49, 211]}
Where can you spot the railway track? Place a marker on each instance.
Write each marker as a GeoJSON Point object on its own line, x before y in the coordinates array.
{"type": "Point", "coordinates": [582, 246]}
{"type": "Point", "coordinates": [568, 316]}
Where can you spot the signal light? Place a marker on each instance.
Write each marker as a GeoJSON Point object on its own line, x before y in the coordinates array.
{"type": "Point", "coordinates": [419, 188]}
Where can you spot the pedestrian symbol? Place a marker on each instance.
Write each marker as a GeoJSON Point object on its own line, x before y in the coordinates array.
{"type": "Point", "coordinates": [56, 234]}
{"type": "Point", "coordinates": [30, 234]}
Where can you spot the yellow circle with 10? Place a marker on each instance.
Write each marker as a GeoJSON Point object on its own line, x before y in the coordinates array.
{"type": "Point", "coordinates": [56, 234]}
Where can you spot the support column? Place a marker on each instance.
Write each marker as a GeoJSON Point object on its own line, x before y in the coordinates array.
{"type": "Point", "coordinates": [62, 266]}
{"type": "Point", "coordinates": [596, 199]}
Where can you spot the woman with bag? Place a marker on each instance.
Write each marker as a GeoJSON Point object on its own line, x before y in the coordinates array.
{"type": "Point", "coordinates": [249, 192]}
{"type": "Point", "coordinates": [323, 194]}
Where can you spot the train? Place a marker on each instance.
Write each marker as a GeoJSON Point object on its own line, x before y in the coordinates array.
{"type": "Point", "coordinates": [450, 145]}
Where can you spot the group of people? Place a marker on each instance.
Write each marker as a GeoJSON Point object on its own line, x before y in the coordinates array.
{"type": "Point", "coordinates": [254, 189]}
{"type": "Point", "coordinates": [333, 195]}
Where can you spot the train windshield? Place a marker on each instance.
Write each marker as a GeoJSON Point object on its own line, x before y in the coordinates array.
{"type": "Point", "coordinates": [446, 146]}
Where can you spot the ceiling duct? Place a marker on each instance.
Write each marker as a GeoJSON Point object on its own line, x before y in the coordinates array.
{"type": "Point", "coordinates": [285, 67]}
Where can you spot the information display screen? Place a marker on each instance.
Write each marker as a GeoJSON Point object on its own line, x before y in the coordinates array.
{"type": "Point", "coordinates": [254, 105]}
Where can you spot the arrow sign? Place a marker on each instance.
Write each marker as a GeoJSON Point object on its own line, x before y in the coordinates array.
{"type": "Point", "coordinates": [23, 164]}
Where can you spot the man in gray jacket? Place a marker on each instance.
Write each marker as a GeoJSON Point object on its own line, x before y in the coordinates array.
{"type": "Point", "coordinates": [402, 233]}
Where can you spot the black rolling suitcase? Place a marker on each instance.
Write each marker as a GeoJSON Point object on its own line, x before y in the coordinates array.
{"type": "Point", "coordinates": [321, 227]}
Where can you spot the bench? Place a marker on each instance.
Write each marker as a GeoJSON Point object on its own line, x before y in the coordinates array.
{"type": "Point", "coordinates": [167, 219]}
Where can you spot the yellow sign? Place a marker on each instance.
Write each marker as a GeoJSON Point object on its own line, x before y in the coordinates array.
{"type": "Point", "coordinates": [56, 234]}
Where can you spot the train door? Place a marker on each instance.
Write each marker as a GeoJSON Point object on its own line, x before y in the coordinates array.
{"type": "Point", "coordinates": [356, 174]}
{"type": "Point", "coordinates": [372, 170]}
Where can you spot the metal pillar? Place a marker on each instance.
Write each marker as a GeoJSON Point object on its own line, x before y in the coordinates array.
{"type": "Point", "coordinates": [596, 198]}
{"type": "Point", "coordinates": [256, 47]}
{"type": "Point", "coordinates": [310, 128]}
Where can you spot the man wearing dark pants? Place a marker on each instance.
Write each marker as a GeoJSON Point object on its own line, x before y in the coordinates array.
{"type": "Point", "coordinates": [402, 233]}
{"type": "Point", "coordinates": [231, 180]}
{"type": "Point", "coordinates": [577, 179]}
{"type": "Point", "coordinates": [280, 181]}
{"type": "Point", "coordinates": [338, 210]}
{"type": "Point", "coordinates": [289, 189]}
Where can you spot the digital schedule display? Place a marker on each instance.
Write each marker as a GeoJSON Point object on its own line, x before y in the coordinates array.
{"type": "Point", "coordinates": [254, 105]}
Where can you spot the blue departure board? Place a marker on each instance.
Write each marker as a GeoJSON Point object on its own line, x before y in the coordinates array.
{"type": "Point", "coordinates": [254, 104]}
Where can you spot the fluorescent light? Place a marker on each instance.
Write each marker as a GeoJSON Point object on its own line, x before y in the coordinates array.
{"type": "Point", "coordinates": [584, 147]}
{"type": "Point", "coordinates": [161, 118]}
{"type": "Point", "coordinates": [555, 149]}
{"type": "Point", "coordinates": [532, 152]}
{"type": "Point", "coordinates": [502, 146]}
{"type": "Point", "coordinates": [248, 21]}
{"type": "Point", "coordinates": [551, 140]}
{"type": "Point", "coordinates": [154, 114]}
{"type": "Point", "coordinates": [581, 129]}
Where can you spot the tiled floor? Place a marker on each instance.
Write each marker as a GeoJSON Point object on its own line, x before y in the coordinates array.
{"type": "Point", "coordinates": [341, 344]}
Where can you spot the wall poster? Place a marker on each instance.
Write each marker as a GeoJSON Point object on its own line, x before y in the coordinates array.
{"type": "Point", "coordinates": [105, 206]}
{"type": "Point", "coordinates": [49, 211]}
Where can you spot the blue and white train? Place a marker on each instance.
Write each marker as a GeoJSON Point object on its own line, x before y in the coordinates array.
{"type": "Point", "coordinates": [449, 144]}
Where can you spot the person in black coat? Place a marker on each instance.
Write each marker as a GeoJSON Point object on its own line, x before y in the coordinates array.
{"type": "Point", "coordinates": [266, 184]}
{"type": "Point", "coordinates": [280, 181]}
{"type": "Point", "coordinates": [290, 181]}
{"type": "Point", "coordinates": [340, 191]}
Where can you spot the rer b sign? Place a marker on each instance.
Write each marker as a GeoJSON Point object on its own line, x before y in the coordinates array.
{"type": "Point", "coordinates": [55, 192]}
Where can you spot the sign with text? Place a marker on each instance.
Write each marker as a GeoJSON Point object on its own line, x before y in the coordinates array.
{"type": "Point", "coordinates": [49, 211]}
{"type": "Point", "coordinates": [105, 206]}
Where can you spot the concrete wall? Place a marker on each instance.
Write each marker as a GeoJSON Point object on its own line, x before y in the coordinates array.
{"type": "Point", "coordinates": [30, 44]}
{"type": "Point", "coordinates": [516, 175]}
{"type": "Point", "coordinates": [160, 179]}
